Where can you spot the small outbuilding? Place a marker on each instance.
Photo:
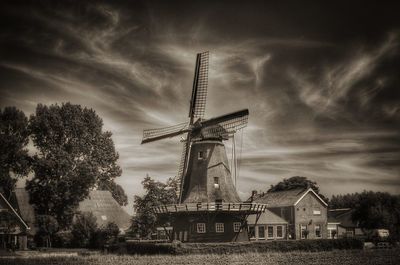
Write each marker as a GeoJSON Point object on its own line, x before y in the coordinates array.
{"type": "Point", "coordinates": [340, 224]}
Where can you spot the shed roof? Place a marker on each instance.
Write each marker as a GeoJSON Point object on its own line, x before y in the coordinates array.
{"type": "Point", "coordinates": [286, 197]}
{"type": "Point", "coordinates": [266, 217]}
{"type": "Point", "coordinates": [342, 216]}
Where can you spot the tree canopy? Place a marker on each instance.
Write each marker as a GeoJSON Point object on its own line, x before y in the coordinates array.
{"type": "Point", "coordinates": [14, 138]}
{"type": "Point", "coordinates": [74, 154]}
{"type": "Point", "coordinates": [295, 183]}
{"type": "Point", "coordinates": [156, 194]}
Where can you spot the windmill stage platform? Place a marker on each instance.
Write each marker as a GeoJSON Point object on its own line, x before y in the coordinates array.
{"type": "Point", "coordinates": [226, 207]}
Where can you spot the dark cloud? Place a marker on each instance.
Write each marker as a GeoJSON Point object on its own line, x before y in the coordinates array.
{"type": "Point", "coordinates": [320, 80]}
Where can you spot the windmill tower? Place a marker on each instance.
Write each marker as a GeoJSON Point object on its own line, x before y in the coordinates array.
{"type": "Point", "coordinates": [209, 208]}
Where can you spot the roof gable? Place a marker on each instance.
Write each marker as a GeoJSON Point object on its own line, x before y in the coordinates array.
{"type": "Point", "coordinates": [315, 194]}
{"type": "Point", "coordinates": [8, 205]}
{"type": "Point", "coordinates": [286, 198]}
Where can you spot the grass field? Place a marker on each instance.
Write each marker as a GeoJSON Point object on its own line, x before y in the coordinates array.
{"type": "Point", "coordinates": [342, 257]}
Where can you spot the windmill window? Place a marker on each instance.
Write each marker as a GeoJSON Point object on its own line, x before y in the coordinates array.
{"type": "Point", "coordinates": [216, 182]}
{"type": "Point", "coordinates": [201, 155]}
{"type": "Point", "coordinates": [219, 227]}
{"type": "Point", "coordinates": [236, 226]}
{"type": "Point", "coordinates": [201, 228]}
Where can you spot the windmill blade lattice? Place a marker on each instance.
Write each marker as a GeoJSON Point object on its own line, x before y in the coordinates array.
{"type": "Point", "coordinates": [182, 166]}
{"type": "Point", "coordinates": [152, 135]}
{"type": "Point", "coordinates": [225, 125]}
{"type": "Point", "coordinates": [200, 84]}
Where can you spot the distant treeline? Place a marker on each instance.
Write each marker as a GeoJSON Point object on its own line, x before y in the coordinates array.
{"type": "Point", "coordinates": [372, 209]}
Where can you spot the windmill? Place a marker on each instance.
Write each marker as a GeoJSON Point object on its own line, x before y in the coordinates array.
{"type": "Point", "coordinates": [206, 187]}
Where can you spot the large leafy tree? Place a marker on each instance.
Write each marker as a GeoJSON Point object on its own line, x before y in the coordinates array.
{"type": "Point", "coordinates": [73, 156]}
{"type": "Point", "coordinates": [14, 158]}
{"type": "Point", "coordinates": [295, 183]}
{"type": "Point", "coordinates": [156, 194]}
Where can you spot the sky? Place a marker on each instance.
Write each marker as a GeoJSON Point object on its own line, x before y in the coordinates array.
{"type": "Point", "coordinates": [320, 79]}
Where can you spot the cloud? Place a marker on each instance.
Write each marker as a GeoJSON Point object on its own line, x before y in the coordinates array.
{"type": "Point", "coordinates": [322, 105]}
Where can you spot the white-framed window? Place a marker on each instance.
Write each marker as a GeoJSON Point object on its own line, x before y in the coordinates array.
{"type": "Point", "coordinates": [317, 229]}
{"type": "Point", "coordinates": [252, 231]}
{"type": "Point", "coordinates": [236, 226]}
{"type": "Point", "coordinates": [216, 182]}
{"type": "Point", "coordinates": [270, 231]}
{"type": "Point", "coordinates": [261, 232]}
{"type": "Point", "coordinates": [201, 228]}
{"type": "Point", "coordinates": [303, 231]}
{"type": "Point", "coordinates": [219, 227]}
{"type": "Point", "coordinates": [279, 231]}
{"type": "Point", "coordinates": [316, 212]}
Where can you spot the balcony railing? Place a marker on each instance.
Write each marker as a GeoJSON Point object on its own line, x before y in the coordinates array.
{"type": "Point", "coordinates": [211, 207]}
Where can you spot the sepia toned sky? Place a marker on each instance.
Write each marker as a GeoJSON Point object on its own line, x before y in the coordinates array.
{"type": "Point", "coordinates": [321, 81]}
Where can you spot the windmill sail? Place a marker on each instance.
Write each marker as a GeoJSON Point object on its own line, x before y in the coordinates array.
{"type": "Point", "coordinates": [199, 91]}
{"type": "Point", "coordinates": [152, 135]}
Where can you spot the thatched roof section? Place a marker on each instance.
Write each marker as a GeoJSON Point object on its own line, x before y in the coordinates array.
{"type": "Point", "coordinates": [266, 217]}
{"type": "Point", "coordinates": [100, 203]}
{"type": "Point", "coordinates": [106, 209]}
{"type": "Point", "coordinates": [6, 206]}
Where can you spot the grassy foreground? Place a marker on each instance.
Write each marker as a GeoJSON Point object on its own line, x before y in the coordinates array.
{"type": "Point", "coordinates": [342, 257]}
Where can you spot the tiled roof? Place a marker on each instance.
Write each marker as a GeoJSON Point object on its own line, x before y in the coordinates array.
{"type": "Point", "coordinates": [280, 198]}
{"type": "Point", "coordinates": [267, 217]}
{"type": "Point", "coordinates": [286, 197]}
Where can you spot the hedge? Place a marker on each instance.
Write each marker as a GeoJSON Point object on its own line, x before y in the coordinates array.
{"type": "Point", "coordinates": [311, 245]}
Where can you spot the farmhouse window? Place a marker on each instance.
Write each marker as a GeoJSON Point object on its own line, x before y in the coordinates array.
{"type": "Point", "coordinates": [303, 231]}
{"type": "Point", "coordinates": [216, 182]}
{"type": "Point", "coordinates": [317, 230]}
{"type": "Point", "coordinates": [261, 231]}
{"type": "Point", "coordinates": [279, 231]}
{"type": "Point", "coordinates": [270, 231]}
{"type": "Point", "coordinates": [201, 228]}
{"type": "Point", "coordinates": [236, 226]}
{"type": "Point", "coordinates": [219, 227]}
{"type": "Point", "coordinates": [316, 212]}
{"type": "Point", "coordinates": [252, 231]}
